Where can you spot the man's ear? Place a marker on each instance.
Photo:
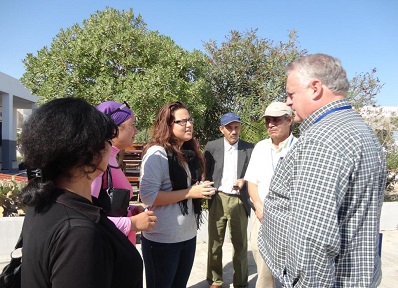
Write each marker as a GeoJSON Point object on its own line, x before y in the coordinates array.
{"type": "Point", "coordinates": [317, 89]}
{"type": "Point", "coordinates": [291, 120]}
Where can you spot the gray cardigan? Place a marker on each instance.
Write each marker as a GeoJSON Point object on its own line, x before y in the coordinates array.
{"type": "Point", "coordinates": [171, 225]}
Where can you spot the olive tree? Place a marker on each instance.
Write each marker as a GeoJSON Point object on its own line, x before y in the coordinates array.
{"type": "Point", "coordinates": [246, 74]}
{"type": "Point", "coordinates": [364, 87]}
{"type": "Point", "coordinates": [113, 56]}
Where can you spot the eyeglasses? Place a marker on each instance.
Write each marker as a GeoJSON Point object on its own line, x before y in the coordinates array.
{"type": "Point", "coordinates": [120, 108]}
{"type": "Point", "coordinates": [109, 141]}
{"type": "Point", "coordinates": [183, 122]}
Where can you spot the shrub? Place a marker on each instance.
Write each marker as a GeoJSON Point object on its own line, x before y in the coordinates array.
{"type": "Point", "coordinates": [10, 201]}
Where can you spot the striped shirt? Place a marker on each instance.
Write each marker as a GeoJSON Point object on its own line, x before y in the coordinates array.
{"type": "Point", "coordinates": [322, 214]}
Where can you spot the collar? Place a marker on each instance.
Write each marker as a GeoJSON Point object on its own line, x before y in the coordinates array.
{"type": "Point", "coordinates": [115, 150]}
{"type": "Point", "coordinates": [309, 122]}
{"type": "Point", "coordinates": [287, 142]}
{"type": "Point", "coordinates": [284, 144]}
{"type": "Point", "coordinates": [113, 157]}
{"type": "Point", "coordinates": [227, 146]}
{"type": "Point", "coordinates": [80, 204]}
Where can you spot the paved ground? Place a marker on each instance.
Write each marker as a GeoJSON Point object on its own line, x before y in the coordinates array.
{"type": "Point", "coordinates": [198, 275]}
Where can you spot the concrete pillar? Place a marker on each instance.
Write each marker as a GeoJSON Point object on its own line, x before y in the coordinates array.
{"type": "Point", "coordinates": [9, 141]}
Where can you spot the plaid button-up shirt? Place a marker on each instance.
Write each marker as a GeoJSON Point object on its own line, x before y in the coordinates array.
{"type": "Point", "coordinates": [322, 213]}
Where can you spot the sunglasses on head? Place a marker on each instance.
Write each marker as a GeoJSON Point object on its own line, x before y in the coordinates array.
{"type": "Point", "coordinates": [119, 108]}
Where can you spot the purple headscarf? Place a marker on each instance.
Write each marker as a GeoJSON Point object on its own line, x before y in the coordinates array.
{"type": "Point", "coordinates": [122, 114]}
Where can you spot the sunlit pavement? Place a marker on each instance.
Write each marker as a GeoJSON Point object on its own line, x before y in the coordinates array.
{"type": "Point", "coordinates": [198, 275]}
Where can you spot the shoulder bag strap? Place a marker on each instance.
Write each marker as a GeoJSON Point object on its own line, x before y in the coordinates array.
{"type": "Point", "coordinates": [19, 242]}
{"type": "Point", "coordinates": [109, 176]}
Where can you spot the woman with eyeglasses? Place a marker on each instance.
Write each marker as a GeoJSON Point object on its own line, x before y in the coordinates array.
{"type": "Point", "coordinates": [171, 170]}
{"type": "Point", "coordinates": [67, 240]}
{"type": "Point", "coordinates": [135, 220]}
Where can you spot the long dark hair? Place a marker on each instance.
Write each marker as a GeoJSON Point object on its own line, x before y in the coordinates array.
{"type": "Point", "coordinates": [62, 134]}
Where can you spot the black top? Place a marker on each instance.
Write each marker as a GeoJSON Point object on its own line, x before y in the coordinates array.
{"type": "Point", "coordinates": [73, 244]}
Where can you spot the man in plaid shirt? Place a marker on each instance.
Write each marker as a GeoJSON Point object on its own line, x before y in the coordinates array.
{"type": "Point", "coordinates": [322, 214]}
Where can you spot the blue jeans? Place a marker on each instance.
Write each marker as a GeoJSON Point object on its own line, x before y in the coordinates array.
{"type": "Point", "coordinates": [168, 265]}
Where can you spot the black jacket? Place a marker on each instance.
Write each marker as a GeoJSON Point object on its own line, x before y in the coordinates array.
{"type": "Point", "coordinates": [214, 155]}
{"type": "Point", "coordinates": [74, 244]}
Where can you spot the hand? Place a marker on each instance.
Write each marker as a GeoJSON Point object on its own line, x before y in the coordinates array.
{"type": "Point", "coordinates": [202, 190]}
{"type": "Point", "coordinates": [144, 221]}
{"type": "Point", "coordinates": [136, 209]}
{"type": "Point", "coordinates": [238, 185]}
{"type": "Point", "coordinates": [259, 210]}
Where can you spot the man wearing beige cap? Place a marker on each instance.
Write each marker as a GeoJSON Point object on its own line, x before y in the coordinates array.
{"type": "Point", "coordinates": [266, 154]}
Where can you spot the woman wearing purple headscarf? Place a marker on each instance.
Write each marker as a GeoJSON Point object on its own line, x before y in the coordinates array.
{"type": "Point", "coordinates": [124, 118]}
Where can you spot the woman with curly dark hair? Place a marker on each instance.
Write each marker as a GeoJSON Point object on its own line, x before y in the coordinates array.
{"type": "Point", "coordinates": [171, 170]}
{"type": "Point", "coordinates": [68, 241]}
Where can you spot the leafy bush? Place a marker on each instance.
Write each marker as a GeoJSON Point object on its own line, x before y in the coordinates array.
{"type": "Point", "coordinates": [10, 201]}
{"type": "Point", "coordinates": [392, 176]}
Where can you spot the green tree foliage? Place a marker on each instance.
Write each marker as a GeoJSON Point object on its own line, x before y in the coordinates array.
{"type": "Point", "coordinates": [113, 56]}
{"type": "Point", "coordinates": [363, 89]}
{"type": "Point", "coordinates": [392, 176]}
{"type": "Point", "coordinates": [246, 74]}
{"type": "Point", "coordinates": [385, 123]}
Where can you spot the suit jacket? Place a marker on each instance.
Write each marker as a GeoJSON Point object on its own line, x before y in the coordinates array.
{"type": "Point", "coordinates": [214, 155]}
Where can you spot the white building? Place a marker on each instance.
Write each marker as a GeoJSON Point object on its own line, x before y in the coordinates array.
{"type": "Point", "coordinates": [14, 97]}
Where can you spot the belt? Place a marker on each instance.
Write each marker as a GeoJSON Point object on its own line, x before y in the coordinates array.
{"type": "Point", "coordinates": [229, 194]}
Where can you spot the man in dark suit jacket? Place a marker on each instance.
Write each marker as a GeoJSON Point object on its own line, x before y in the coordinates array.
{"type": "Point", "coordinates": [226, 162]}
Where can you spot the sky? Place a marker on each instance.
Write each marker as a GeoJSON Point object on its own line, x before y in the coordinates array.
{"type": "Point", "coordinates": [363, 34]}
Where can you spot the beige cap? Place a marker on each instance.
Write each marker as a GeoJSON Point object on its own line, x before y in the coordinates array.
{"type": "Point", "coordinates": [277, 109]}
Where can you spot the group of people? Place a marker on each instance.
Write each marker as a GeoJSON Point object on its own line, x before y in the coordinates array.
{"type": "Point", "coordinates": [242, 172]}
{"type": "Point", "coordinates": [315, 201]}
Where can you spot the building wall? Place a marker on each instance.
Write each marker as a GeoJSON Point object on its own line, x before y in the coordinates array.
{"type": "Point", "coordinates": [13, 96]}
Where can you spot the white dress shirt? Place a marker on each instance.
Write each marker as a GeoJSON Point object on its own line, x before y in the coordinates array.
{"type": "Point", "coordinates": [230, 171]}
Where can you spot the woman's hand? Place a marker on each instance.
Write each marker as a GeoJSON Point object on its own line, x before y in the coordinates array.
{"type": "Point", "coordinates": [202, 190]}
{"type": "Point", "coordinates": [199, 190]}
{"type": "Point", "coordinates": [136, 209]}
{"type": "Point", "coordinates": [143, 221]}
